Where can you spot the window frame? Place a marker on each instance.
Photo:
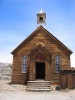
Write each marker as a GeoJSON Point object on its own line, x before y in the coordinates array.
{"type": "Point", "coordinates": [57, 60]}
{"type": "Point", "coordinates": [24, 64]}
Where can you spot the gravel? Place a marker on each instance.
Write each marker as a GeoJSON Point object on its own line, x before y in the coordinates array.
{"type": "Point", "coordinates": [18, 92]}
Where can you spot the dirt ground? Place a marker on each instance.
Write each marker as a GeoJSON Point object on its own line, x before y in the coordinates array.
{"type": "Point", "coordinates": [18, 92]}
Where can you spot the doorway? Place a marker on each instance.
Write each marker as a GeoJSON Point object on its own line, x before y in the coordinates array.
{"type": "Point", "coordinates": [40, 70]}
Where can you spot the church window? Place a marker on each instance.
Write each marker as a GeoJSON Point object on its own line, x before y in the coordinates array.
{"type": "Point", "coordinates": [57, 62]}
{"type": "Point", "coordinates": [24, 59]}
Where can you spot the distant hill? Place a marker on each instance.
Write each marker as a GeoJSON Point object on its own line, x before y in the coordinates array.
{"type": "Point", "coordinates": [5, 71]}
{"type": "Point", "coordinates": [4, 64]}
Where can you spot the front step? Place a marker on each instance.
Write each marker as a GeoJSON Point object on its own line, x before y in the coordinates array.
{"type": "Point", "coordinates": [38, 85]}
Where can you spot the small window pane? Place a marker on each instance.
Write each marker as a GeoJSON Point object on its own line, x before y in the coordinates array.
{"type": "Point", "coordinates": [57, 63]}
{"type": "Point", "coordinates": [57, 57]}
{"type": "Point", "coordinates": [24, 64]}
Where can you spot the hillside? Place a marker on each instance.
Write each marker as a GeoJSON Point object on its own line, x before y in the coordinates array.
{"type": "Point", "coordinates": [5, 71]}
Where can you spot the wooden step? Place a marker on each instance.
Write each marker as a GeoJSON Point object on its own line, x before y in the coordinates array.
{"type": "Point", "coordinates": [38, 86]}
{"type": "Point", "coordinates": [38, 90]}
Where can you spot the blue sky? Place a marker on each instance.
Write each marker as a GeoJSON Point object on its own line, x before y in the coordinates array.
{"type": "Point", "coordinates": [18, 20]}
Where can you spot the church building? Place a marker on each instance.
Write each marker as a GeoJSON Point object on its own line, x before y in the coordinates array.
{"type": "Point", "coordinates": [40, 57]}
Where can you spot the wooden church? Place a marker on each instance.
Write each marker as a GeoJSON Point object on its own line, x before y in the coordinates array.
{"type": "Point", "coordinates": [40, 57]}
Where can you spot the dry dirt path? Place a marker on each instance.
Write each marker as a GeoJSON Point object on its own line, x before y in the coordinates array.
{"type": "Point", "coordinates": [17, 92]}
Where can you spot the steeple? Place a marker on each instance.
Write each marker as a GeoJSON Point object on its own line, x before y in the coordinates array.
{"type": "Point", "coordinates": [41, 11]}
{"type": "Point", "coordinates": [41, 18]}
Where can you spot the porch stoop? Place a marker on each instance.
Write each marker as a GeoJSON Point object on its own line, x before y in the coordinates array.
{"type": "Point", "coordinates": [38, 86]}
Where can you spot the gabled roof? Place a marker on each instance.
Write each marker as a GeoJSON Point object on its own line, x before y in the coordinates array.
{"type": "Point", "coordinates": [50, 35]}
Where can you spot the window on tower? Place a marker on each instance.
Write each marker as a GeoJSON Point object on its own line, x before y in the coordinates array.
{"type": "Point", "coordinates": [41, 19]}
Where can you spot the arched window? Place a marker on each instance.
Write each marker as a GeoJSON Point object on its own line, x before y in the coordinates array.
{"type": "Point", "coordinates": [24, 59]}
{"type": "Point", "coordinates": [57, 62]}
{"type": "Point", "coordinates": [41, 18]}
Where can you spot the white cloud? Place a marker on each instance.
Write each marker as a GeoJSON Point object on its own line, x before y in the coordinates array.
{"type": "Point", "coordinates": [73, 60]}
{"type": "Point", "coordinates": [1, 60]}
{"type": "Point", "coordinates": [6, 58]}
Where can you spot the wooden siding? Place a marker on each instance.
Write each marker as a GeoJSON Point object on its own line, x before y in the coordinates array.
{"type": "Point", "coordinates": [51, 46]}
{"type": "Point", "coordinates": [67, 79]}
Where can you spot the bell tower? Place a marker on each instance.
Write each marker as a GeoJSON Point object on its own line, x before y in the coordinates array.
{"type": "Point", "coordinates": [41, 18]}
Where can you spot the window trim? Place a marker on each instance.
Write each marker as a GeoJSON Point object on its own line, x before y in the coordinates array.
{"type": "Point", "coordinates": [24, 62]}
{"type": "Point", "coordinates": [57, 72]}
